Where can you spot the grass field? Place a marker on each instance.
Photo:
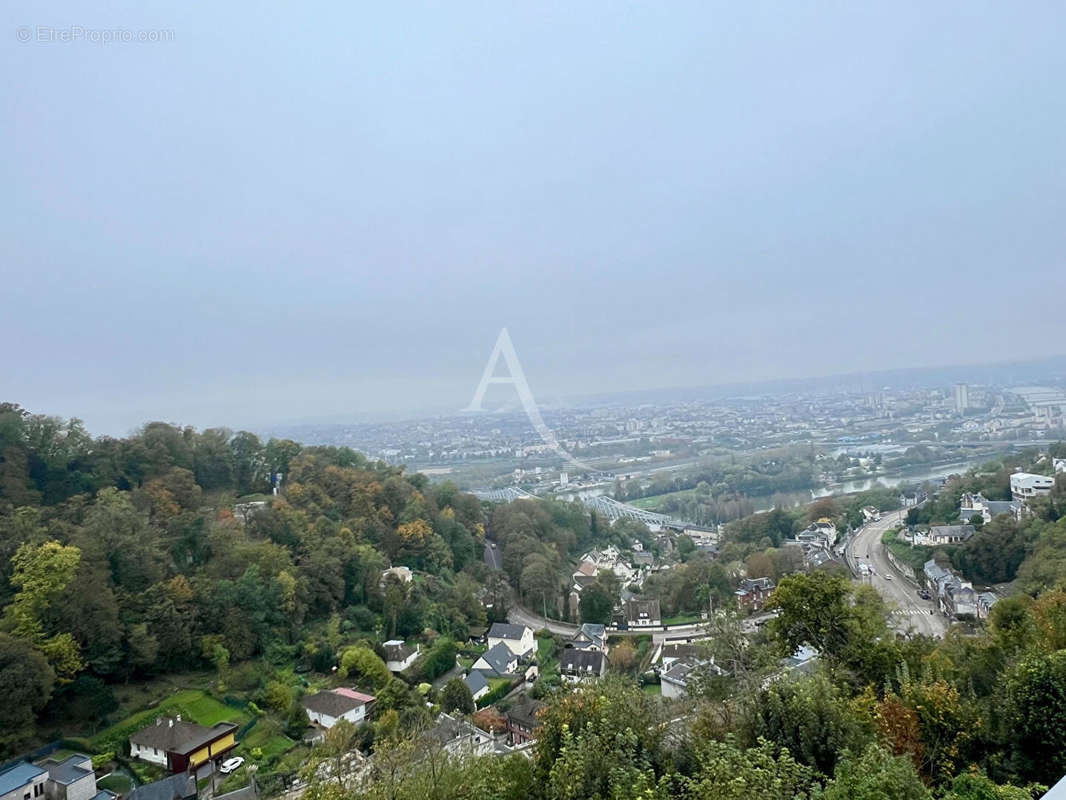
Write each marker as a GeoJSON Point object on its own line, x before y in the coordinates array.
{"type": "Point", "coordinates": [115, 782]}
{"type": "Point", "coordinates": [654, 503]}
{"type": "Point", "coordinates": [682, 619]}
{"type": "Point", "coordinates": [653, 689]}
{"type": "Point", "coordinates": [192, 704]}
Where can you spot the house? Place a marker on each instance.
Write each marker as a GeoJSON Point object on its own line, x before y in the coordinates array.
{"type": "Point", "coordinates": [477, 683]}
{"type": "Point", "coordinates": [580, 665]}
{"type": "Point", "coordinates": [985, 601]}
{"type": "Point", "coordinates": [517, 638]}
{"type": "Point", "coordinates": [950, 534]}
{"type": "Point", "coordinates": [679, 650]}
{"type": "Point", "coordinates": [753, 593]}
{"type": "Point", "coordinates": [523, 720]}
{"type": "Point", "coordinates": [822, 527]}
{"type": "Point", "coordinates": [871, 513]}
{"type": "Point", "coordinates": [1026, 485]}
{"type": "Point", "coordinates": [458, 737]}
{"type": "Point", "coordinates": [497, 661]}
{"type": "Point", "coordinates": [1059, 465]}
{"type": "Point", "coordinates": [330, 707]}
{"type": "Point", "coordinates": [643, 613]}
{"type": "Point", "coordinates": [176, 787]}
{"type": "Point", "coordinates": [590, 636]}
{"type": "Point", "coordinates": [971, 504]}
{"type": "Point", "coordinates": [179, 745]}
{"type": "Point", "coordinates": [72, 778]}
{"type": "Point", "coordinates": [675, 679]}
{"type": "Point", "coordinates": [23, 781]}
{"type": "Point", "coordinates": [398, 656]}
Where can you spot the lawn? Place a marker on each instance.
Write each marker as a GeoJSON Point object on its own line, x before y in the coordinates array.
{"type": "Point", "coordinates": [653, 689]}
{"type": "Point", "coordinates": [192, 704]}
{"type": "Point", "coordinates": [115, 782]}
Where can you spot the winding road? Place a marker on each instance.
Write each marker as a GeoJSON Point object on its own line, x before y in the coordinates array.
{"type": "Point", "coordinates": [910, 612]}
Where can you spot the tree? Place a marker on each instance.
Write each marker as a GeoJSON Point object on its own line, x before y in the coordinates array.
{"type": "Point", "coordinates": [596, 604]}
{"type": "Point", "coordinates": [876, 775]}
{"type": "Point", "coordinates": [1036, 714]}
{"type": "Point", "coordinates": [27, 680]}
{"type": "Point", "coordinates": [41, 574]}
{"type": "Point", "coordinates": [365, 666]}
{"type": "Point", "coordinates": [808, 717]}
{"type": "Point", "coordinates": [456, 696]}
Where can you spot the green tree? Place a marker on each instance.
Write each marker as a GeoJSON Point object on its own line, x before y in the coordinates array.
{"type": "Point", "coordinates": [27, 680]}
{"type": "Point", "coordinates": [365, 666]}
{"type": "Point", "coordinates": [876, 775]}
{"type": "Point", "coordinates": [596, 604]}
{"type": "Point", "coordinates": [455, 696]}
{"type": "Point", "coordinates": [1036, 714]}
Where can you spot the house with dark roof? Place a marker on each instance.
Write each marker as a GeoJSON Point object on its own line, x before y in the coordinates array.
{"type": "Point", "coordinates": [72, 778]}
{"type": "Point", "coordinates": [23, 781]}
{"type": "Point", "coordinates": [523, 720]}
{"type": "Point", "coordinates": [753, 593]}
{"type": "Point", "coordinates": [179, 745]}
{"type": "Point", "coordinates": [176, 787]}
{"type": "Point", "coordinates": [581, 665]}
{"type": "Point", "coordinates": [398, 655]}
{"type": "Point", "coordinates": [675, 679]}
{"type": "Point", "coordinates": [517, 638]}
{"type": "Point", "coordinates": [459, 738]}
{"type": "Point", "coordinates": [331, 706]}
{"type": "Point", "coordinates": [642, 613]}
{"type": "Point", "coordinates": [497, 661]}
{"type": "Point", "coordinates": [477, 683]}
{"type": "Point", "coordinates": [590, 636]}
{"type": "Point", "coordinates": [950, 534]}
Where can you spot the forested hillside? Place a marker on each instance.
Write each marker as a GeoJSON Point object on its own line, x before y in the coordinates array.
{"type": "Point", "coordinates": [126, 558]}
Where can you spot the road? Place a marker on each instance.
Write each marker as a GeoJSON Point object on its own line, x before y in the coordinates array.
{"type": "Point", "coordinates": [910, 612]}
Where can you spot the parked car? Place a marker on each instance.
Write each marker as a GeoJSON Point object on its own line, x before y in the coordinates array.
{"type": "Point", "coordinates": [231, 765]}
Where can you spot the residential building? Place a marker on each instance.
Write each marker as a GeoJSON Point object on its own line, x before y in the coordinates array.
{"type": "Point", "coordinates": [675, 652]}
{"type": "Point", "coordinates": [950, 534]}
{"type": "Point", "coordinates": [643, 613]}
{"type": "Point", "coordinates": [497, 661]}
{"type": "Point", "coordinates": [523, 720]}
{"type": "Point", "coordinates": [329, 707]}
{"type": "Point", "coordinates": [179, 745]}
{"type": "Point", "coordinates": [477, 683]}
{"type": "Point", "coordinates": [72, 778]}
{"type": "Point", "coordinates": [675, 679]}
{"type": "Point", "coordinates": [460, 738]}
{"type": "Point", "coordinates": [1026, 485]}
{"type": "Point", "coordinates": [517, 638]}
{"type": "Point", "coordinates": [974, 504]}
{"type": "Point", "coordinates": [962, 398]}
{"type": "Point", "coordinates": [985, 601]}
{"type": "Point", "coordinates": [581, 665]}
{"type": "Point", "coordinates": [871, 513]}
{"type": "Point", "coordinates": [399, 656]}
{"type": "Point", "coordinates": [590, 636]}
{"type": "Point", "coordinates": [23, 781]}
{"type": "Point", "coordinates": [753, 593]}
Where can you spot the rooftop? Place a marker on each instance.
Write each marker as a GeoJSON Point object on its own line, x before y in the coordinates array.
{"type": "Point", "coordinates": [19, 775]}
{"type": "Point", "coordinates": [174, 735]}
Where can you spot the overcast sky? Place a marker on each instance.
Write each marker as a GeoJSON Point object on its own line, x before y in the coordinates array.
{"type": "Point", "coordinates": [331, 209]}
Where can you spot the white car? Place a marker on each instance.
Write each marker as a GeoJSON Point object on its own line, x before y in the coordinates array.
{"type": "Point", "coordinates": [231, 765]}
{"type": "Point", "coordinates": [887, 577]}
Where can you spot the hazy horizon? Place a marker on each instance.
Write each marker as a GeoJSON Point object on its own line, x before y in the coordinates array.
{"type": "Point", "coordinates": [294, 213]}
